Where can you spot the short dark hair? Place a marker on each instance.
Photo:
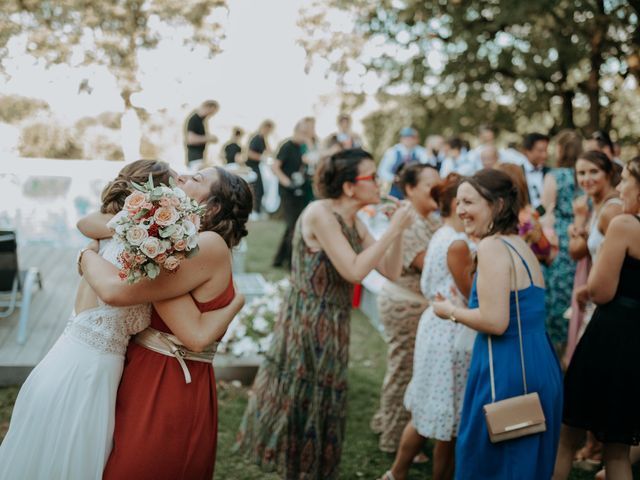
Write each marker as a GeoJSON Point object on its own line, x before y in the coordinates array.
{"type": "Point", "coordinates": [338, 169]}
{"type": "Point", "coordinates": [228, 206]}
{"type": "Point", "coordinates": [604, 163]}
{"type": "Point", "coordinates": [444, 192]}
{"type": "Point", "coordinates": [603, 139]}
{"type": "Point", "coordinates": [530, 139]}
{"type": "Point", "coordinates": [409, 175]}
{"type": "Point", "coordinates": [455, 142]}
{"type": "Point", "coordinates": [497, 188]}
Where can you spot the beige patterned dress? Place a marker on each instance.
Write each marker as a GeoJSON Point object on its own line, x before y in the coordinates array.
{"type": "Point", "coordinates": [400, 313]}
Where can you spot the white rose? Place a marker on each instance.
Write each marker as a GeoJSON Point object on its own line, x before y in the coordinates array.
{"type": "Point", "coordinates": [178, 232]}
{"type": "Point", "coordinates": [136, 235]}
{"type": "Point", "coordinates": [150, 247]}
{"type": "Point", "coordinates": [192, 242]}
{"type": "Point", "coordinates": [152, 270]}
{"type": "Point", "coordinates": [178, 192]}
{"type": "Point", "coordinates": [119, 217]}
{"type": "Point", "coordinates": [189, 228]}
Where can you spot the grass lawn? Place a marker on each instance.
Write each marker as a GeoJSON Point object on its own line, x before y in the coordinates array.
{"type": "Point", "coordinates": [360, 458]}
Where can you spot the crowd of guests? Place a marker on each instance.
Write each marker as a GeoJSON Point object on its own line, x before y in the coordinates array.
{"type": "Point", "coordinates": [532, 263]}
{"type": "Point", "coordinates": [503, 272]}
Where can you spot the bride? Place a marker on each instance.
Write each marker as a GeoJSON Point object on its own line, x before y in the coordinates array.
{"type": "Point", "coordinates": [63, 420]}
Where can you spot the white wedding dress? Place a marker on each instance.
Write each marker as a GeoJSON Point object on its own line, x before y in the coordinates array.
{"type": "Point", "coordinates": [63, 419]}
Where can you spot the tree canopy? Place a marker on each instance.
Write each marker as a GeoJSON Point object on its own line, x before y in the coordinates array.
{"type": "Point", "coordinates": [547, 64]}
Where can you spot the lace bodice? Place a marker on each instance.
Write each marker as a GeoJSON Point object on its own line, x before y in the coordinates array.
{"type": "Point", "coordinates": [108, 328]}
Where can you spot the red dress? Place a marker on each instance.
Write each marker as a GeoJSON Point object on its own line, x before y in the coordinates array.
{"type": "Point", "coordinates": [165, 428]}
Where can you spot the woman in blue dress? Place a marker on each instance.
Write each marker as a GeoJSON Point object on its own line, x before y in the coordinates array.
{"type": "Point", "coordinates": [488, 208]}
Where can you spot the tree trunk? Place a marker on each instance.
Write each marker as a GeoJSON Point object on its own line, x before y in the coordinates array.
{"type": "Point", "coordinates": [567, 109]}
{"type": "Point", "coordinates": [130, 131]}
{"type": "Point", "coordinates": [595, 58]}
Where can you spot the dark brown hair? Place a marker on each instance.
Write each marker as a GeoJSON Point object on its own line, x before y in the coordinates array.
{"type": "Point", "coordinates": [444, 193]}
{"type": "Point", "coordinates": [570, 143]}
{"type": "Point", "coordinates": [409, 175]}
{"type": "Point", "coordinates": [634, 168]}
{"type": "Point", "coordinates": [338, 169]}
{"type": "Point", "coordinates": [519, 180]}
{"type": "Point", "coordinates": [602, 161]}
{"type": "Point", "coordinates": [500, 192]}
{"type": "Point", "coordinates": [116, 191]}
{"type": "Point", "coordinates": [228, 207]}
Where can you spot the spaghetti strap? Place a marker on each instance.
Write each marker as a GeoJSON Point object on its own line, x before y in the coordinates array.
{"type": "Point", "coordinates": [524, 262]}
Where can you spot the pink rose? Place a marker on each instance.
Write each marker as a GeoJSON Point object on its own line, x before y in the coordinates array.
{"type": "Point", "coordinates": [171, 263]}
{"type": "Point", "coordinates": [126, 256]}
{"type": "Point", "coordinates": [147, 206]}
{"type": "Point", "coordinates": [165, 202]}
{"type": "Point", "coordinates": [175, 202]}
{"type": "Point", "coordinates": [134, 201]}
{"type": "Point", "coordinates": [150, 247]}
{"type": "Point", "coordinates": [180, 245]}
{"type": "Point", "coordinates": [140, 259]}
{"type": "Point", "coordinates": [166, 216]}
{"type": "Point", "coordinates": [161, 258]}
{"type": "Point", "coordinates": [136, 235]}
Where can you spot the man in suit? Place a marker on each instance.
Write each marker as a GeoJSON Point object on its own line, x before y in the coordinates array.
{"type": "Point", "coordinates": [536, 148]}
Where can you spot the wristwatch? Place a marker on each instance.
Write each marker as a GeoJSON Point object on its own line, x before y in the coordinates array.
{"type": "Point", "coordinates": [452, 316]}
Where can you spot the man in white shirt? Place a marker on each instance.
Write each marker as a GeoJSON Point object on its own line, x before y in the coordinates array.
{"type": "Point", "coordinates": [536, 150]}
{"type": "Point", "coordinates": [406, 152]}
{"type": "Point", "coordinates": [458, 159]}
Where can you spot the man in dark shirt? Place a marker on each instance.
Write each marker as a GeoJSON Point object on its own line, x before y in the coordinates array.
{"type": "Point", "coordinates": [196, 137]}
{"type": "Point", "coordinates": [257, 147]}
{"type": "Point", "coordinates": [232, 149]}
{"type": "Point", "coordinates": [290, 170]}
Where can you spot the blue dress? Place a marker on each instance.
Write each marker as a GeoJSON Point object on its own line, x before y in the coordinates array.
{"type": "Point", "coordinates": [531, 457]}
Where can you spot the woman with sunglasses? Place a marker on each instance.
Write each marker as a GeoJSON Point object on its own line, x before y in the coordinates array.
{"type": "Point", "coordinates": [295, 419]}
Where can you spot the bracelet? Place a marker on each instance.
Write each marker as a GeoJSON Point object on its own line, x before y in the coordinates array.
{"type": "Point", "coordinates": [452, 316]}
{"type": "Point", "coordinates": [79, 259]}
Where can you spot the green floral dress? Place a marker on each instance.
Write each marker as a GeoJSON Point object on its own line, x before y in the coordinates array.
{"type": "Point", "coordinates": [559, 275]}
{"type": "Point", "coordinates": [295, 419]}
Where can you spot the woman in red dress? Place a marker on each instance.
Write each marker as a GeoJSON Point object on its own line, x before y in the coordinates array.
{"type": "Point", "coordinates": [166, 409]}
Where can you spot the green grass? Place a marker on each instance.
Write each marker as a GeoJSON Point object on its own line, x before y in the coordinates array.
{"type": "Point", "coordinates": [361, 457]}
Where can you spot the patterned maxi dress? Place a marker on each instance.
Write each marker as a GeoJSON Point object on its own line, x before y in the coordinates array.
{"type": "Point", "coordinates": [559, 275]}
{"type": "Point", "coordinates": [295, 419]}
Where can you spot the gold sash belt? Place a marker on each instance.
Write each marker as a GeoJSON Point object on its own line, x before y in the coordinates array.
{"type": "Point", "coordinates": [169, 345]}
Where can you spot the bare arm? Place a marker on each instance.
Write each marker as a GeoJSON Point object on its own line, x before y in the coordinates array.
{"type": "Point", "coordinates": [196, 139]}
{"type": "Point", "coordinates": [605, 274]}
{"type": "Point", "coordinates": [282, 177]}
{"type": "Point", "coordinates": [494, 289]}
{"type": "Point", "coordinates": [351, 266]}
{"type": "Point", "coordinates": [418, 261]}
{"type": "Point", "coordinates": [193, 272]}
{"type": "Point", "coordinates": [94, 225]}
{"type": "Point", "coordinates": [608, 212]}
{"type": "Point", "coordinates": [549, 193]}
{"type": "Point", "coordinates": [252, 155]}
{"type": "Point", "coordinates": [194, 329]}
{"type": "Point", "coordinates": [460, 264]}
{"type": "Point", "coordinates": [390, 264]}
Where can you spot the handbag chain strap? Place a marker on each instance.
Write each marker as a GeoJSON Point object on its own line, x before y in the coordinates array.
{"type": "Point", "coordinates": [524, 374]}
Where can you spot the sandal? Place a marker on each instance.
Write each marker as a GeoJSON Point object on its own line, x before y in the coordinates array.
{"type": "Point", "coordinates": [420, 459]}
{"type": "Point", "coordinates": [387, 476]}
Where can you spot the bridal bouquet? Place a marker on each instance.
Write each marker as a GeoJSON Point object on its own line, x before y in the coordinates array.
{"type": "Point", "coordinates": [158, 228]}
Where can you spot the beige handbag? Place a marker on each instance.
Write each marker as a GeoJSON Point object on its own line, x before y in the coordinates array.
{"type": "Point", "coordinates": [519, 416]}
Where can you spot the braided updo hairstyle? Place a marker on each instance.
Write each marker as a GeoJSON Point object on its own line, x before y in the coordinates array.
{"type": "Point", "coordinates": [500, 192]}
{"type": "Point", "coordinates": [338, 169]}
{"type": "Point", "coordinates": [228, 207]}
{"type": "Point", "coordinates": [116, 191]}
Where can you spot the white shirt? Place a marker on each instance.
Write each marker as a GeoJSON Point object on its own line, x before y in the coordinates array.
{"type": "Point", "coordinates": [535, 177]}
{"type": "Point", "coordinates": [464, 165]}
{"type": "Point", "coordinates": [385, 169]}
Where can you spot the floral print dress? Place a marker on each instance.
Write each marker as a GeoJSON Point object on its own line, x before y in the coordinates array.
{"type": "Point", "coordinates": [443, 349]}
{"type": "Point", "coordinates": [558, 277]}
{"type": "Point", "coordinates": [295, 419]}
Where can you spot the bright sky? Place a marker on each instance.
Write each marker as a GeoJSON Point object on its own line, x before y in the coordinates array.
{"type": "Point", "coordinates": [260, 74]}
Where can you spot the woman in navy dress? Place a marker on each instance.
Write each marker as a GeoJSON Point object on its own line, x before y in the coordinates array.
{"type": "Point", "coordinates": [488, 208]}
